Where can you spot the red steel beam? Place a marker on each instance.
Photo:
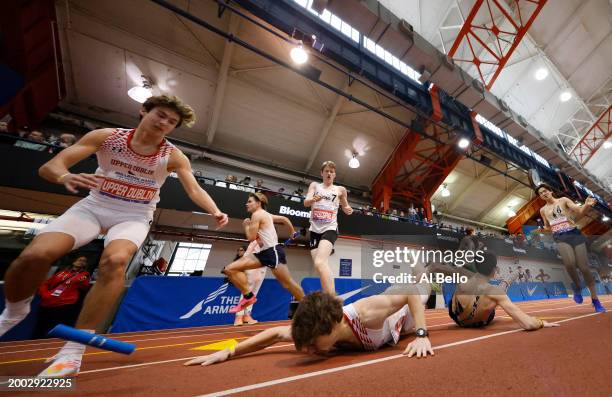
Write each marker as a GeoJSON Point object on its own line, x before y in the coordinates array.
{"type": "Point", "coordinates": [469, 31]}
{"type": "Point", "coordinates": [526, 213]}
{"type": "Point", "coordinates": [590, 143]}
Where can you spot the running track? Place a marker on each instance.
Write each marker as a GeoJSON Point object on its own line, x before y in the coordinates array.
{"type": "Point", "coordinates": [501, 360]}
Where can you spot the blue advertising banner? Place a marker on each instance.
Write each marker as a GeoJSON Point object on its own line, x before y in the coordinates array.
{"type": "Point", "coordinates": [158, 302]}
{"type": "Point", "coordinates": [348, 289]}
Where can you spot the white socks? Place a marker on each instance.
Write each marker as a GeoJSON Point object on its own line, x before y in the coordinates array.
{"type": "Point", "coordinates": [13, 313]}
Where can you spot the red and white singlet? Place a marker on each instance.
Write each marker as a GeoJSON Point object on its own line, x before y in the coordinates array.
{"type": "Point", "coordinates": [324, 213]}
{"type": "Point", "coordinates": [131, 180]}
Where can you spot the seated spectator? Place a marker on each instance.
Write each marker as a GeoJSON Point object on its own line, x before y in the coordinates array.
{"type": "Point", "coordinates": [66, 140]}
{"type": "Point", "coordinates": [412, 214]}
{"type": "Point", "coordinates": [233, 179]}
{"type": "Point", "coordinates": [4, 127]}
{"type": "Point", "coordinates": [281, 192]}
{"type": "Point", "coordinates": [60, 297]}
{"type": "Point", "coordinates": [247, 186]}
{"type": "Point", "coordinates": [260, 186]}
{"type": "Point", "coordinates": [34, 136]}
{"type": "Point", "coordinates": [299, 192]}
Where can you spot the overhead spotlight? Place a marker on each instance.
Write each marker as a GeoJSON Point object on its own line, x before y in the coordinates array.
{"type": "Point", "coordinates": [511, 212]}
{"type": "Point", "coordinates": [353, 162]}
{"type": "Point", "coordinates": [141, 93]}
{"type": "Point", "coordinates": [445, 192]}
{"type": "Point", "coordinates": [565, 96]}
{"type": "Point", "coordinates": [463, 143]}
{"type": "Point", "coordinates": [607, 145]}
{"type": "Point", "coordinates": [605, 218]}
{"type": "Point", "coordinates": [541, 74]}
{"type": "Point", "coordinates": [299, 55]}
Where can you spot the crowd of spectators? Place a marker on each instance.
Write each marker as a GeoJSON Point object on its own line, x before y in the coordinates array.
{"type": "Point", "coordinates": [40, 140]}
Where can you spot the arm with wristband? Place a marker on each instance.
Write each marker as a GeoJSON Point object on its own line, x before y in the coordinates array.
{"type": "Point", "coordinates": [57, 170]}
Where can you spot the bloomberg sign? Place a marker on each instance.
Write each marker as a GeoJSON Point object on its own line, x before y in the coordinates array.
{"type": "Point", "coordinates": [284, 210]}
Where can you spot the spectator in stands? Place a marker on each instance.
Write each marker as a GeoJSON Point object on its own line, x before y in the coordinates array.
{"type": "Point", "coordinates": [542, 276]}
{"type": "Point", "coordinates": [412, 214]}
{"type": "Point", "coordinates": [521, 275]}
{"type": "Point", "coordinates": [281, 191]}
{"type": "Point", "coordinates": [33, 137]}
{"type": "Point", "coordinates": [259, 186]}
{"type": "Point", "coordinates": [66, 140]}
{"type": "Point", "coordinates": [60, 296]}
{"type": "Point", "coordinates": [299, 192]}
{"type": "Point", "coordinates": [233, 180]}
{"type": "Point", "coordinates": [471, 243]}
{"type": "Point", "coordinates": [528, 276]}
{"type": "Point", "coordinates": [4, 127]}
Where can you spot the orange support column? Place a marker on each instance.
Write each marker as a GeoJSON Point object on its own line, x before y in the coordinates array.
{"type": "Point", "coordinates": [382, 188]}
{"type": "Point", "coordinates": [524, 215]}
{"type": "Point", "coordinates": [595, 228]}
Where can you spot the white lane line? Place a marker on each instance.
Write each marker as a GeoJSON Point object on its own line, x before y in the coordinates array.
{"type": "Point", "coordinates": [364, 363]}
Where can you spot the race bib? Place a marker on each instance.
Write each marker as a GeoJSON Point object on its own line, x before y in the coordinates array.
{"type": "Point", "coordinates": [322, 216]}
{"type": "Point", "coordinates": [560, 225]}
{"type": "Point", "coordinates": [127, 192]}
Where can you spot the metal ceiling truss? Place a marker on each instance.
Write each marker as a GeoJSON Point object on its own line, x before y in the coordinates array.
{"type": "Point", "coordinates": [475, 36]}
{"type": "Point", "coordinates": [594, 138]}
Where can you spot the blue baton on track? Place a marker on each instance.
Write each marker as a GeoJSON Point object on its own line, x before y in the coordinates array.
{"type": "Point", "coordinates": [101, 342]}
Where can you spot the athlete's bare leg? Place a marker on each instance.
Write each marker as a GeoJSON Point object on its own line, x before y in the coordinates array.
{"type": "Point", "coordinates": [103, 296]}
{"type": "Point", "coordinates": [569, 260]}
{"type": "Point", "coordinates": [320, 258]}
{"type": "Point", "coordinates": [28, 271]}
{"type": "Point", "coordinates": [284, 278]}
{"type": "Point", "coordinates": [582, 258]}
{"type": "Point", "coordinates": [235, 271]}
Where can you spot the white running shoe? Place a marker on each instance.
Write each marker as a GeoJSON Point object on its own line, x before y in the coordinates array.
{"type": "Point", "coordinates": [65, 366]}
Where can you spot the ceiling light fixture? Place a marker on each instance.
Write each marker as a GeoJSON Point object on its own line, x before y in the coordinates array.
{"type": "Point", "coordinates": [299, 55]}
{"type": "Point", "coordinates": [141, 93]}
{"type": "Point", "coordinates": [445, 192]}
{"type": "Point", "coordinates": [565, 96]}
{"type": "Point", "coordinates": [354, 162]}
{"type": "Point", "coordinates": [541, 74]}
{"type": "Point", "coordinates": [463, 143]}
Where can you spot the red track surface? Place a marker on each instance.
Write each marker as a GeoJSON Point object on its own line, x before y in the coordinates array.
{"type": "Point", "coordinates": [572, 360]}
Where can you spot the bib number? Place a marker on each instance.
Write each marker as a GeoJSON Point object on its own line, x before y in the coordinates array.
{"type": "Point", "coordinates": [322, 216]}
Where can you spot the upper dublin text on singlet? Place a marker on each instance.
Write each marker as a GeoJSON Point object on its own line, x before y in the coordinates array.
{"type": "Point", "coordinates": [130, 179]}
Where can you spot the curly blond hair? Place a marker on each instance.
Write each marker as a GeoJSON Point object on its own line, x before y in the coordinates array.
{"type": "Point", "coordinates": [185, 112]}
